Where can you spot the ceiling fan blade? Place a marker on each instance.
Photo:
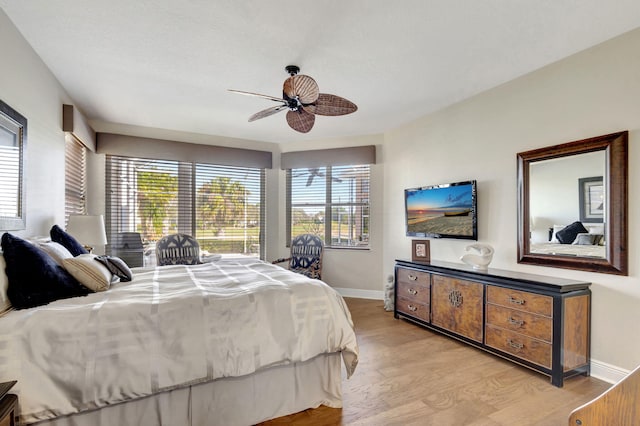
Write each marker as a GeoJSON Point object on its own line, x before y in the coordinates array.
{"type": "Point", "coordinates": [302, 86]}
{"type": "Point", "coordinates": [331, 105]}
{"type": "Point", "coordinates": [273, 98]}
{"type": "Point", "coordinates": [267, 112]}
{"type": "Point", "coordinates": [300, 120]}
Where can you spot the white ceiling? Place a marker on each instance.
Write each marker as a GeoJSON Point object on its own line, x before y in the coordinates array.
{"type": "Point", "coordinates": [168, 64]}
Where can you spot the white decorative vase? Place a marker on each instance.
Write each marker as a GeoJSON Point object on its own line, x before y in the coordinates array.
{"type": "Point", "coordinates": [481, 258]}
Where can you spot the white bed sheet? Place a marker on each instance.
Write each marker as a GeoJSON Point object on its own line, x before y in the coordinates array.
{"type": "Point", "coordinates": [171, 327]}
{"type": "Point", "coordinates": [569, 249]}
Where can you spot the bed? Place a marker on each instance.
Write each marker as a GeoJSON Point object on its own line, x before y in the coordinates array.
{"type": "Point", "coordinates": [577, 239]}
{"type": "Point", "coordinates": [236, 341]}
{"type": "Point", "coordinates": [579, 250]}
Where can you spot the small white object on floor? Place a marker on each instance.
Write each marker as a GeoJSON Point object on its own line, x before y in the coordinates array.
{"type": "Point", "coordinates": [389, 291]}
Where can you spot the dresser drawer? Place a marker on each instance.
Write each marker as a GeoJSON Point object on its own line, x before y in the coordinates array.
{"type": "Point", "coordinates": [415, 291]}
{"type": "Point", "coordinates": [532, 325]}
{"type": "Point", "coordinates": [410, 276]}
{"type": "Point", "coordinates": [521, 300]}
{"type": "Point", "coordinates": [413, 308]}
{"type": "Point", "coordinates": [457, 306]}
{"type": "Point", "coordinates": [526, 348]}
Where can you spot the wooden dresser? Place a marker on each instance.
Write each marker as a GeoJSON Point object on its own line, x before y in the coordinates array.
{"type": "Point", "coordinates": [542, 323]}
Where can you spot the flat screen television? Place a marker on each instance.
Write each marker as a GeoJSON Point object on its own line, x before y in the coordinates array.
{"type": "Point", "coordinates": [442, 211]}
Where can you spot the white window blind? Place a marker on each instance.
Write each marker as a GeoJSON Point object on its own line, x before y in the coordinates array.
{"type": "Point", "coordinates": [221, 206]}
{"type": "Point", "coordinates": [75, 194]}
{"type": "Point", "coordinates": [331, 202]}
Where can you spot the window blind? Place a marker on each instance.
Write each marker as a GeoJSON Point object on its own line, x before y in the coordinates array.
{"type": "Point", "coordinates": [221, 206]}
{"type": "Point", "coordinates": [75, 194]}
{"type": "Point", "coordinates": [331, 202]}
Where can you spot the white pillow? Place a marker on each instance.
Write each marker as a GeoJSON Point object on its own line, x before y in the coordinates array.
{"type": "Point", "coordinates": [56, 250]}
{"type": "Point", "coordinates": [556, 228]}
{"type": "Point", "coordinates": [91, 273]}
{"type": "Point", "coordinates": [595, 229]}
{"type": "Point", "coordinates": [5, 304]}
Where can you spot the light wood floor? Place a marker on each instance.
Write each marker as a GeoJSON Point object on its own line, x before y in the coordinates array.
{"type": "Point", "coordinates": [411, 376]}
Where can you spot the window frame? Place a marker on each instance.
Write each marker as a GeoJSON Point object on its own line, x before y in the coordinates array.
{"type": "Point", "coordinates": [188, 176]}
{"type": "Point", "coordinates": [363, 205]}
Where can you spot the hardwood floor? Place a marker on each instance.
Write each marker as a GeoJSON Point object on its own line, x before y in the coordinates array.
{"type": "Point", "coordinates": [411, 376]}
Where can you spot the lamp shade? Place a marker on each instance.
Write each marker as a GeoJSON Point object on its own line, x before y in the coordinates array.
{"type": "Point", "coordinates": [87, 229]}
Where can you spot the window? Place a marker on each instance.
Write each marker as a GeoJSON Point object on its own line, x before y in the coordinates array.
{"type": "Point", "coordinates": [221, 206]}
{"type": "Point", "coordinates": [331, 202]}
{"type": "Point", "coordinates": [75, 194]}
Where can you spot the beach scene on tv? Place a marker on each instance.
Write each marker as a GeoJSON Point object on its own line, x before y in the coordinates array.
{"type": "Point", "coordinates": [446, 210]}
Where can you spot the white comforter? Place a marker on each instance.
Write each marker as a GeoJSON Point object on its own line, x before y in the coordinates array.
{"type": "Point", "coordinates": [170, 327]}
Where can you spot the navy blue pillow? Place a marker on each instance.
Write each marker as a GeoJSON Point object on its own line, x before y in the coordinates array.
{"type": "Point", "coordinates": [569, 233]}
{"type": "Point", "coordinates": [34, 277]}
{"type": "Point", "coordinates": [61, 237]}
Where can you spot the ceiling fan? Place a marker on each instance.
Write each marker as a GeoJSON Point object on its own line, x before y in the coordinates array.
{"type": "Point", "coordinates": [302, 97]}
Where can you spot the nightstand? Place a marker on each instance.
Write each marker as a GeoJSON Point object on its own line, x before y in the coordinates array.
{"type": "Point", "coordinates": [8, 405]}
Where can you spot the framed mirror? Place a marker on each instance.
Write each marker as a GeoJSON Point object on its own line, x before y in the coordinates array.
{"type": "Point", "coordinates": [13, 142]}
{"type": "Point", "coordinates": [572, 205]}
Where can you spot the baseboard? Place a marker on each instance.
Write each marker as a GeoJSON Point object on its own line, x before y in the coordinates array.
{"type": "Point", "coordinates": [360, 294]}
{"type": "Point", "coordinates": [607, 372]}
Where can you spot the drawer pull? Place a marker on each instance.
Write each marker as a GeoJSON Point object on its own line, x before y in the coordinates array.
{"type": "Point", "coordinates": [516, 301]}
{"type": "Point", "coordinates": [412, 291]}
{"type": "Point", "coordinates": [515, 345]}
{"type": "Point", "coordinates": [517, 322]}
{"type": "Point", "coordinates": [412, 308]}
{"type": "Point", "coordinates": [412, 277]}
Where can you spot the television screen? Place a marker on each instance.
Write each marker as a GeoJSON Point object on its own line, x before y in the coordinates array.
{"type": "Point", "coordinates": [442, 211]}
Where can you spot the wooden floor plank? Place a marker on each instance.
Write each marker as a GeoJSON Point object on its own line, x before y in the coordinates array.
{"type": "Point", "coordinates": [411, 376]}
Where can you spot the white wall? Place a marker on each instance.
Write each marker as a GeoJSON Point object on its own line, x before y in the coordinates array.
{"type": "Point", "coordinates": [593, 93]}
{"type": "Point", "coordinates": [28, 86]}
{"type": "Point", "coordinates": [356, 273]}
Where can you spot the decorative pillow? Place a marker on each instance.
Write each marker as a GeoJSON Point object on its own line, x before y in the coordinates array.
{"type": "Point", "coordinates": [70, 243]}
{"type": "Point", "coordinates": [569, 233]}
{"type": "Point", "coordinates": [91, 274]}
{"type": "Point", "coordinates": [597, 228]}
{"type": "Point", "coordinates": [34, 277]}
{"type": "Point", "coordinates": [587, 239]}
{"type": "Point", "coordinates": [116, 266]}
{"type": "Point", "coordinates": [55, 250]}
{"type": "Point", "coordinates": [5, 303]}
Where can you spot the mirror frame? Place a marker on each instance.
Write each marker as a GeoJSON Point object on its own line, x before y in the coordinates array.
{"type": "Point", "coordinates": [18, 222]}
{"type": "Point", "coordinates": [615, 146]}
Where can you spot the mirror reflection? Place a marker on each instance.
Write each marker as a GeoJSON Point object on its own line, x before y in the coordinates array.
{"type": "Point", "coordinates": [567, 204]}
{"type": "Point", "coordinates": [572, 205]}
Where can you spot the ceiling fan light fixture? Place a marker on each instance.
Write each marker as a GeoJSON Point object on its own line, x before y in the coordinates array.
{"type": "Point", "coordinates": [292, 69]}
{"type": "Point", "coordinates": [302, 97]}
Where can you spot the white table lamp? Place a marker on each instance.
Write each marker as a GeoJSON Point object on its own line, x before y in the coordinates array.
{"type": "Point", "coordinates": [88, 230]}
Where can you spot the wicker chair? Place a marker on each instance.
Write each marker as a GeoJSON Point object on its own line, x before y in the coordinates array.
{"type": "Point", "coordinates": [306, 256]}
{"type": "Point", "coordinates": [177, 249]}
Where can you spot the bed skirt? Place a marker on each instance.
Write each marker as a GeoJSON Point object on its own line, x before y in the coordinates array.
{"type": "Point", "coordinates": [246, 400]}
